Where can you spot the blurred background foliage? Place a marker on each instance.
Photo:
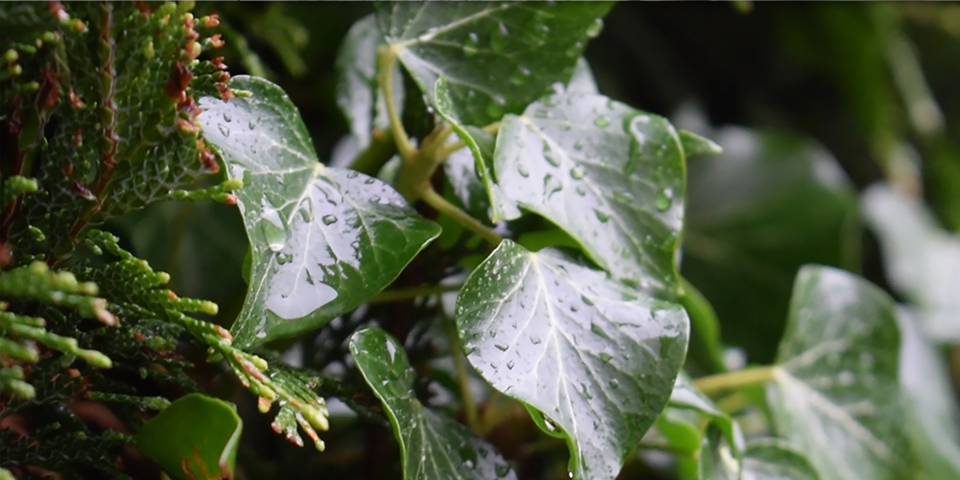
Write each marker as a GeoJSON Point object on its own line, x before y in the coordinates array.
{"type": "Point", "coordinates": [812, 103]}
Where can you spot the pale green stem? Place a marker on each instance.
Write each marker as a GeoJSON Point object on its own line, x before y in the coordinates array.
{"type": "Point", "coordinates": [729, 381]}
{"type": "Point", "coordinates": [386, 58]}
{"type": "Point", "coordinates": [439, 203]}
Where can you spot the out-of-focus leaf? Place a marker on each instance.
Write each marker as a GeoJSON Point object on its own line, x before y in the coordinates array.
{"type": "Point", "coordinates": [836, 392]}
{"type": "Point", "coordinates": [196, 437]}
{"type": "Point", "coordinates": [771, 459]}
{"type": "Point", "coordinates": [434, 446]}
{"type": "Point", "coordinates": [922, 260]}
{"type": "Point", "coordinates": [324, 239]}
{"type": "Point", "coordinates": [596, 359]}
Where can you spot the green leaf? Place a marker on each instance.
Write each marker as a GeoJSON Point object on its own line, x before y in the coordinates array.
{"type": "Point", "coordinates": [610, 175]}
{"type": "Point", "coordinates": [582, 80]}
{"type": "Point", "coordinates": [836, 395]}
{"type": "Point", "coordinates": [460, 169]}
{"type": "Point", "coordinates": [358, 93]}
{"type": "Point", "coordinates": [771, 459]}
{"type": "Point", "coordinates": [695, 145]}
{"type": "Point", "coordinates": [922, 260]}
{"type": "Point", "coordinates": [769, 204]}
{"type": "Point", "coordinates": [434, 446]}
{"type": "Point", "coordinates": [928, 396]}
{"type": "Point", "coordinates": [323, 239]}
{"type": "Point", "coordinates": [686, 396]}
{"type": "Point", "coordinates": [498, 57]}
{"type": "Point", "coordinates": [598, 359]}
{"type": "Point", "coordinates": [196, 437]}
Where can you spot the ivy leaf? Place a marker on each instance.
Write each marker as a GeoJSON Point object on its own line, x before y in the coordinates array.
{"type": "Point", "coordinates": [196, 437]}
{"type": "Point", "coordinates": [922, 260]}
{"type": "Point", "coordinates": [434, 447]}
{"type": "Point", "coordinates": [696, 145]}
{"type": "Point", "coordinates": [582, 80]}
{"type": "Point", "coordinates": [928, 396]}
{"type": "Point", "coordinates": [358, 94]}
{"type": "Point", "coordinates": [772, 459]}
{"type": "Point", "coordinates": [497, 56]}
{"type": "Point", "coordinates": [323, 239]}
{"type": "Point", "coordinates": [609, 175]}
{"type": "Point", "coordinates": [836, 387]}
{"type": "Point", "coordinates": [597, 359]}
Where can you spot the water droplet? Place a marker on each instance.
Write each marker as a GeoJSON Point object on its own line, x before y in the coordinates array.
{"type": "Point", "coordinates": [596, 329]}
{"type": "Point", "coordinates": [469, 464]}
{"type": "Point", "coordinates": [578, 146]}
{"type": "Point", "coordinates": [585, 299]}
{"type": "Point", "coordinates": [501, 347]}
{"type": "Point", "coordinates": [601, 215]}
{"type": "Point", "coordinates": [663, 199]}
{"type": "Point", "coordinates": [535, 340]}
{"type": "Point", "coordinates": [329, 219]}
{"type": "Point", "coordinates": [502, 470]}
{"type": "Point", "coordinates": [223, 129]}
{"type": "Point", "coordinates": [499, 38]}
{"type": "Point", "coordinates": [595, 28]}
{"type": "Point", "coordinates": [471, 45]}
{"type": "Point", "coordinates": [577, 172]}
{"type": "Point", "coordinates": [495, 108]}
{"type": "Point", "coordinates": [846, 378]}
{"type": "Point", "coordinates": [565, 126]}
{"type": "Point", "coordinates": [605, 357]}
{"type": "Point", "coordinates": [621, 197]}
{"type": "Point", "coordinates": [614, 383]}
{"type": "Point", "coordinates": [574, 50]}
{"type": "Point", "coordinates": [284, 258]}
{"type": "Point", "coordinates": [251, 125]}
{"type": "Point", "coordinates": [522, 170]}
{"type": "Point", "coordinates": [510, 365]}
{"type": "Point", "coordinates": [520, 76]}
{"type": "Point", "coordinates": [601, 121]}
{"type": "Point", "coordinates": [581, 191]}
{"type": "Point", "coordinates": [227, 118]}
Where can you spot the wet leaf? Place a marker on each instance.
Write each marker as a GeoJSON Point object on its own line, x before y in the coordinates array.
{"type": "Point", "coordinates": [358, 93]}
{"type": "Point", "coordinates": [928, 396]}
{"type": "Point", "coordinates": [434, 446]}
{"type": "Point", "coordinates": [610, 175]}
{"type": "Point", "coordinates": [597, 359]}
{"type": "Point", "coordinates": [196, 437]}
{"type": "Point", "coordinates": [922, 259]}
{"type": "Point", "coordinates": [836, 385]}
{"type": "Point", "coordinates": [772, 459]}
{"type": "Point", "coordinates": [323, 239]}
{"type": "Point", "coordinates": [769, 204]}
{"type": "Point", "coordinates": [498, 57]}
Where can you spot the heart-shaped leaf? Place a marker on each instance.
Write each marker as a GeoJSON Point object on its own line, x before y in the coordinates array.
{"type": "Point", "coordinates": [928, 396]}
{"type": "Point", "coordinates": [836, 387]}
{"type": "Point", "coordinates": [434, 447]}
{"type": "Point", "coordinates": [196, 437]}
{"type": "Point", "coordinates": [772, 459]}
{"type": "Point", "coordinates": [323, 239]}
{"type": "Point", "coordinates": [596, 358]}
{"type": "Point", "coordinates": [610, 175]}
{"type": "Point", "coordinates": [497, 56]}
{"type": "Point", "coordinates": [922, 260]}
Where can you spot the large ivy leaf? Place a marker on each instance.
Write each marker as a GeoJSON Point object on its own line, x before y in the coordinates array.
{"type": "Point", "coordinates": [609, 175]}
{"type": "Point", "coordinates": [358, 94]}
{"type": "Point", "coordinates": [771, 459]}
{"type": "Point", "coordinates": [323, 239]}
{"type": "Point", "coordinates": [836, 395]}
{"type": "Point", "coordinates": [928, 396]}
{"type": "Point", "coordinates": [922, 260]}
{"type": "Point", "coordinates": [434, 446]}
{"type": "Point", "coordinates": [769, 204]}
{"type": "Point", "coordinates": [195, 437]}
{"type": "Point", "coordinates": [497, 56]}
{"type": "Point", "coordinates": [597, 359]}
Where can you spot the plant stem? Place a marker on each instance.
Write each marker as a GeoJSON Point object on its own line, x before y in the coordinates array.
{"type": "Point", "coordinates": [432, 198]}
{"type": "Point", "coordinates": [386, 59]}
{"type": "Point", "coordinates": [463, 376]}
{"type": "Point", "coordinates": [372, 159]}
{"type": "Point", "coordinates": [414, 292]}
{"type": "Point", "coordinates": [726, 381]}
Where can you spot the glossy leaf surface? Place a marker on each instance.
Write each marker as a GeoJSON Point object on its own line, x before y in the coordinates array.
{"type": "Point", "coordinates": [323, 239]}
{"type": "Point", "coordinates": [610, 175]}
{"type": "Point", "coordinates": [196, 433]}
{"type": "Point", "coordinates": [836, 381]}
{"type": "Point", "coordinates": [776, 460]}
{"type": "Point", "coordinates": [434, 446]}
{"type": "Point", "coordinates": [497, 56]}
{"type": "Point", "coordinates": [596, 358]}
{"type": "Point", "coordinates": [922, 260]}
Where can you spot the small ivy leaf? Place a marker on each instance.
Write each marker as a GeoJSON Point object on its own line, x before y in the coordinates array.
{"type": "Point", "coordinates": [323, 239]}
{"type": "Point", "coordinates": [771, 459]}
{"type": "Point", "coordinates": [596, 358]}
{"type": "Point", "coordinates": [695, 145]}
{"type": "Point", "coordinates": [497, 56]}
{"type": "Point", "coordinates": [931, 413]}
{"type": "Point", "coordinates": [434, 446]}
{"type": "Point", "coordinates": [357, 90]}
{"type": "Point", "coordinates": [922, 259]}
{"type": "Point", "coordinates": [835, 386]}
{"type": "Point", "coordinates": [501, 205]}
{"type": "Point", "coordinates": [610, 175]}
{"type": "Point", "coordinates": [196, 437]}
{"type": "Point", "coordinates": [460, 170]}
